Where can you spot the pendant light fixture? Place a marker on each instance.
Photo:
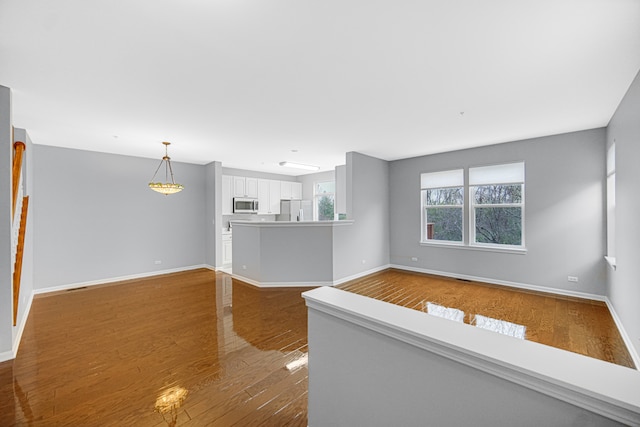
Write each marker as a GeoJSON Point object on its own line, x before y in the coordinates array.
{"type": "Point", "coordinates": [167, 187]}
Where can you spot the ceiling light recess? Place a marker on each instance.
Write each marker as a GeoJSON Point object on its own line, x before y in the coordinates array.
{"type": "Point", "coordinates": [299, 166]}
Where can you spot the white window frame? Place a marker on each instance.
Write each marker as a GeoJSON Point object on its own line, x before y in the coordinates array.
{"type": "Point", "coordinates": [316, 199]}
{"type": "Point", "coordinates": [501, 174]}
{"type": "Point", "coordinates": [453, 178]}
{"type": "Point", "coordinates": [611, 206]}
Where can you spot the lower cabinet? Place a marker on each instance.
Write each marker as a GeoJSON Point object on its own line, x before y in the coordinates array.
{"type": "Point", "coordinates": [226, 249]}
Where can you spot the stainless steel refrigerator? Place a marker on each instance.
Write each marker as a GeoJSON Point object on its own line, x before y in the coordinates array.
{"type": "Point", "coordinates": [295, 210]}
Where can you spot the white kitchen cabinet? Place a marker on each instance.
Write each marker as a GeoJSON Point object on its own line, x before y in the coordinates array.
{"type": "Point", "coordinates": [296, 190]}
{"type": "Point", "coordinates": [239, 184]}
{"type": "Point", "coordinates": [245, 187]}
{"type": "Point", "coordinates": [290, 190]}
{"type": "Point", "coordinates": [227, 195]}
{"type": "Point", "coordinates": [263, 196]}
{"type": "Point", "coordinates": [274, 197]}
{"type": "Point", "coordinates": [285, 190]}
{"type": "Point", "coordinates": [268, 197]}
{"type": "Point", "coordinates": [251, 187]}
{"type": "Point", "coordinates": [227, 247]}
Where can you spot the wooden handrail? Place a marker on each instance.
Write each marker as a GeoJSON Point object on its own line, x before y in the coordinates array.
{"type": "Point", "coordinates": [19, 146]}
{"type": "Point", "coordinates": [17, 273]}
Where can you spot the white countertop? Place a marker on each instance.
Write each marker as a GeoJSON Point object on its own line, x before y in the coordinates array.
{"type": "Point", "coordinates": [244, 223]}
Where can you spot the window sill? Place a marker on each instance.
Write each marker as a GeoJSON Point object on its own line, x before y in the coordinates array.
{"type": "Point", "coordinates": [453, 245]}
{"type": "Point", "coordinates": [612, 261]}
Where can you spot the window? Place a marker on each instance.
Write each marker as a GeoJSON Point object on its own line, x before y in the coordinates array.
{"type": "Point", "coordinates": [611, 204]}
{"type": "Point", "coordinates": [443, 201]}
{"type": "Point", "coordinates": [324, 194]}
{"type": "Point", "coordinates": [497, 205]}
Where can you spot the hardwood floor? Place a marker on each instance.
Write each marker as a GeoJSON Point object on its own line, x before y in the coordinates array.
{"type": "Point", "coordinates": [198, 348]}
{"type": "Point", "coordinates": [573, 324]}
{"type": "Point", "coordinates": [107, 355]}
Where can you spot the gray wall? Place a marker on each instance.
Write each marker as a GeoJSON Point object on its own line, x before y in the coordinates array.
{"type": "Point", "coordinates": [564, 214]}
{"type": "Point", "coordinates": [96, 219]}
{"type": "Point", "coordinates": [310, 179]}
{"type": "Point", "coordinates": [623, 284]}
{"type": "Point", "coordinates": [364, 246]}
{"type": "Point", "coordinates": [246, 252]}
{"type": "Point", "coordinates": [6, 280]}
{"type": "Point", "coordinates": [286, 255]}
{"type": "Point", "coordinates": [291, 254]}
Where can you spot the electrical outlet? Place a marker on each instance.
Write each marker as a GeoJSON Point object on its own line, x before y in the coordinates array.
{"type": "Point", "coordinates": [364, 261]}
{"type": "Point", "coordinates": [572, 279]}
{"type": "Point", "coordinates": [157, 262]}
{"type": "Point", "coordinates": [414, 258]}
{"type": "Point", "coordinates": [244, 267]}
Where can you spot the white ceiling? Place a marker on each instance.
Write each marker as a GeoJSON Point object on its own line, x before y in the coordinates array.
{"type": "Point", "coordinates": [247, 82]}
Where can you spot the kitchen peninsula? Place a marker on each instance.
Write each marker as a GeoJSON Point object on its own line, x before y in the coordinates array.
{"type": "Point", "coordinates": [283, 253]}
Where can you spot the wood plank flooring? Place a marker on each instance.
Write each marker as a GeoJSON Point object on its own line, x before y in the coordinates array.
{"type": "Point", "coordinates": [572, 324]}
{"type": "Point", "coordinates": [105, 355]}
{"type": "Point", "coordinates": [199, 348]}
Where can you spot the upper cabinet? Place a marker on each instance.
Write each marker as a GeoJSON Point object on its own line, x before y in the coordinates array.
{"type": "Point", "coordinates": [274, 197]}
{"type": "Point", "coordinates": [268, 197]}
{"type": "Point", "coordinates": [245, 187]}
{"type": "Point", "coordinates": [296, 190]}
{"type": "Point", "coordinates": [263, 196]}
{"type": "Point", "coordinates": [269, 192]}
{"type": "Point", "coordinates": [285, 190]}
{"type": "Point", "coordinates": [290, 190]}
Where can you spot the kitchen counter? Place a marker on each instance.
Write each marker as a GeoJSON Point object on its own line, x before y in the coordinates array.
{"type": "Point", "coordinates": [283, 253]}
{"type": "Point", "coordinates": [290, 223]}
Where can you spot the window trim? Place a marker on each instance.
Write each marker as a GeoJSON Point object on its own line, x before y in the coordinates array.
{"type": "Point", "coordinates": [472, 219]}
{"type": "Point", "coordinates": [423, 205]}
{"type": "Point", "coordinates": [316, 196]}
{"type": "Point", "coordinates": [468, 212]}
{"type": "Point", "coordinates": [610, 185]}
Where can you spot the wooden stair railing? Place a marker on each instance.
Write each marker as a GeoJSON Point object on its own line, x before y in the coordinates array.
{"type": "Point", "coordinates": [19, 148]}
{"type": "Point", "coordinates": [17, 273]}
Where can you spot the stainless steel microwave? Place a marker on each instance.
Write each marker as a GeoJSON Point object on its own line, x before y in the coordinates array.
{"type": "Point", "coordinates": [244, 205]}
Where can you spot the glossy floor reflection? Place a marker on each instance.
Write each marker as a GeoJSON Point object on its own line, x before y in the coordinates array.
{"type": "Point", "coordinates": [185, 349]}
{"type": "Point", "coordinates": [577, 325]}
{"type": "Point", "coordinates": [198, 348]}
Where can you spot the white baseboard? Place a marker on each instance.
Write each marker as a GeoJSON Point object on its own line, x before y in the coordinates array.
{"type": "Point", "coordinates": [9, 355]}
{"type": "Point", "coordinates": [623, 333]}
{"type": "Point", "coordinates": [359, 275]}
{"type": "Point", "coordinates": [117, 279]}
{"type": "Point", "coordinates": [304, 284]}
{"type": "Point", "coordinates": [625, 337]}
{"type": "Point", "coordinates": [23, 323]}
{"type": "Point", "coordinates": [563, 292]}
{"type": "Point", "coordinates": [6, 355]}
